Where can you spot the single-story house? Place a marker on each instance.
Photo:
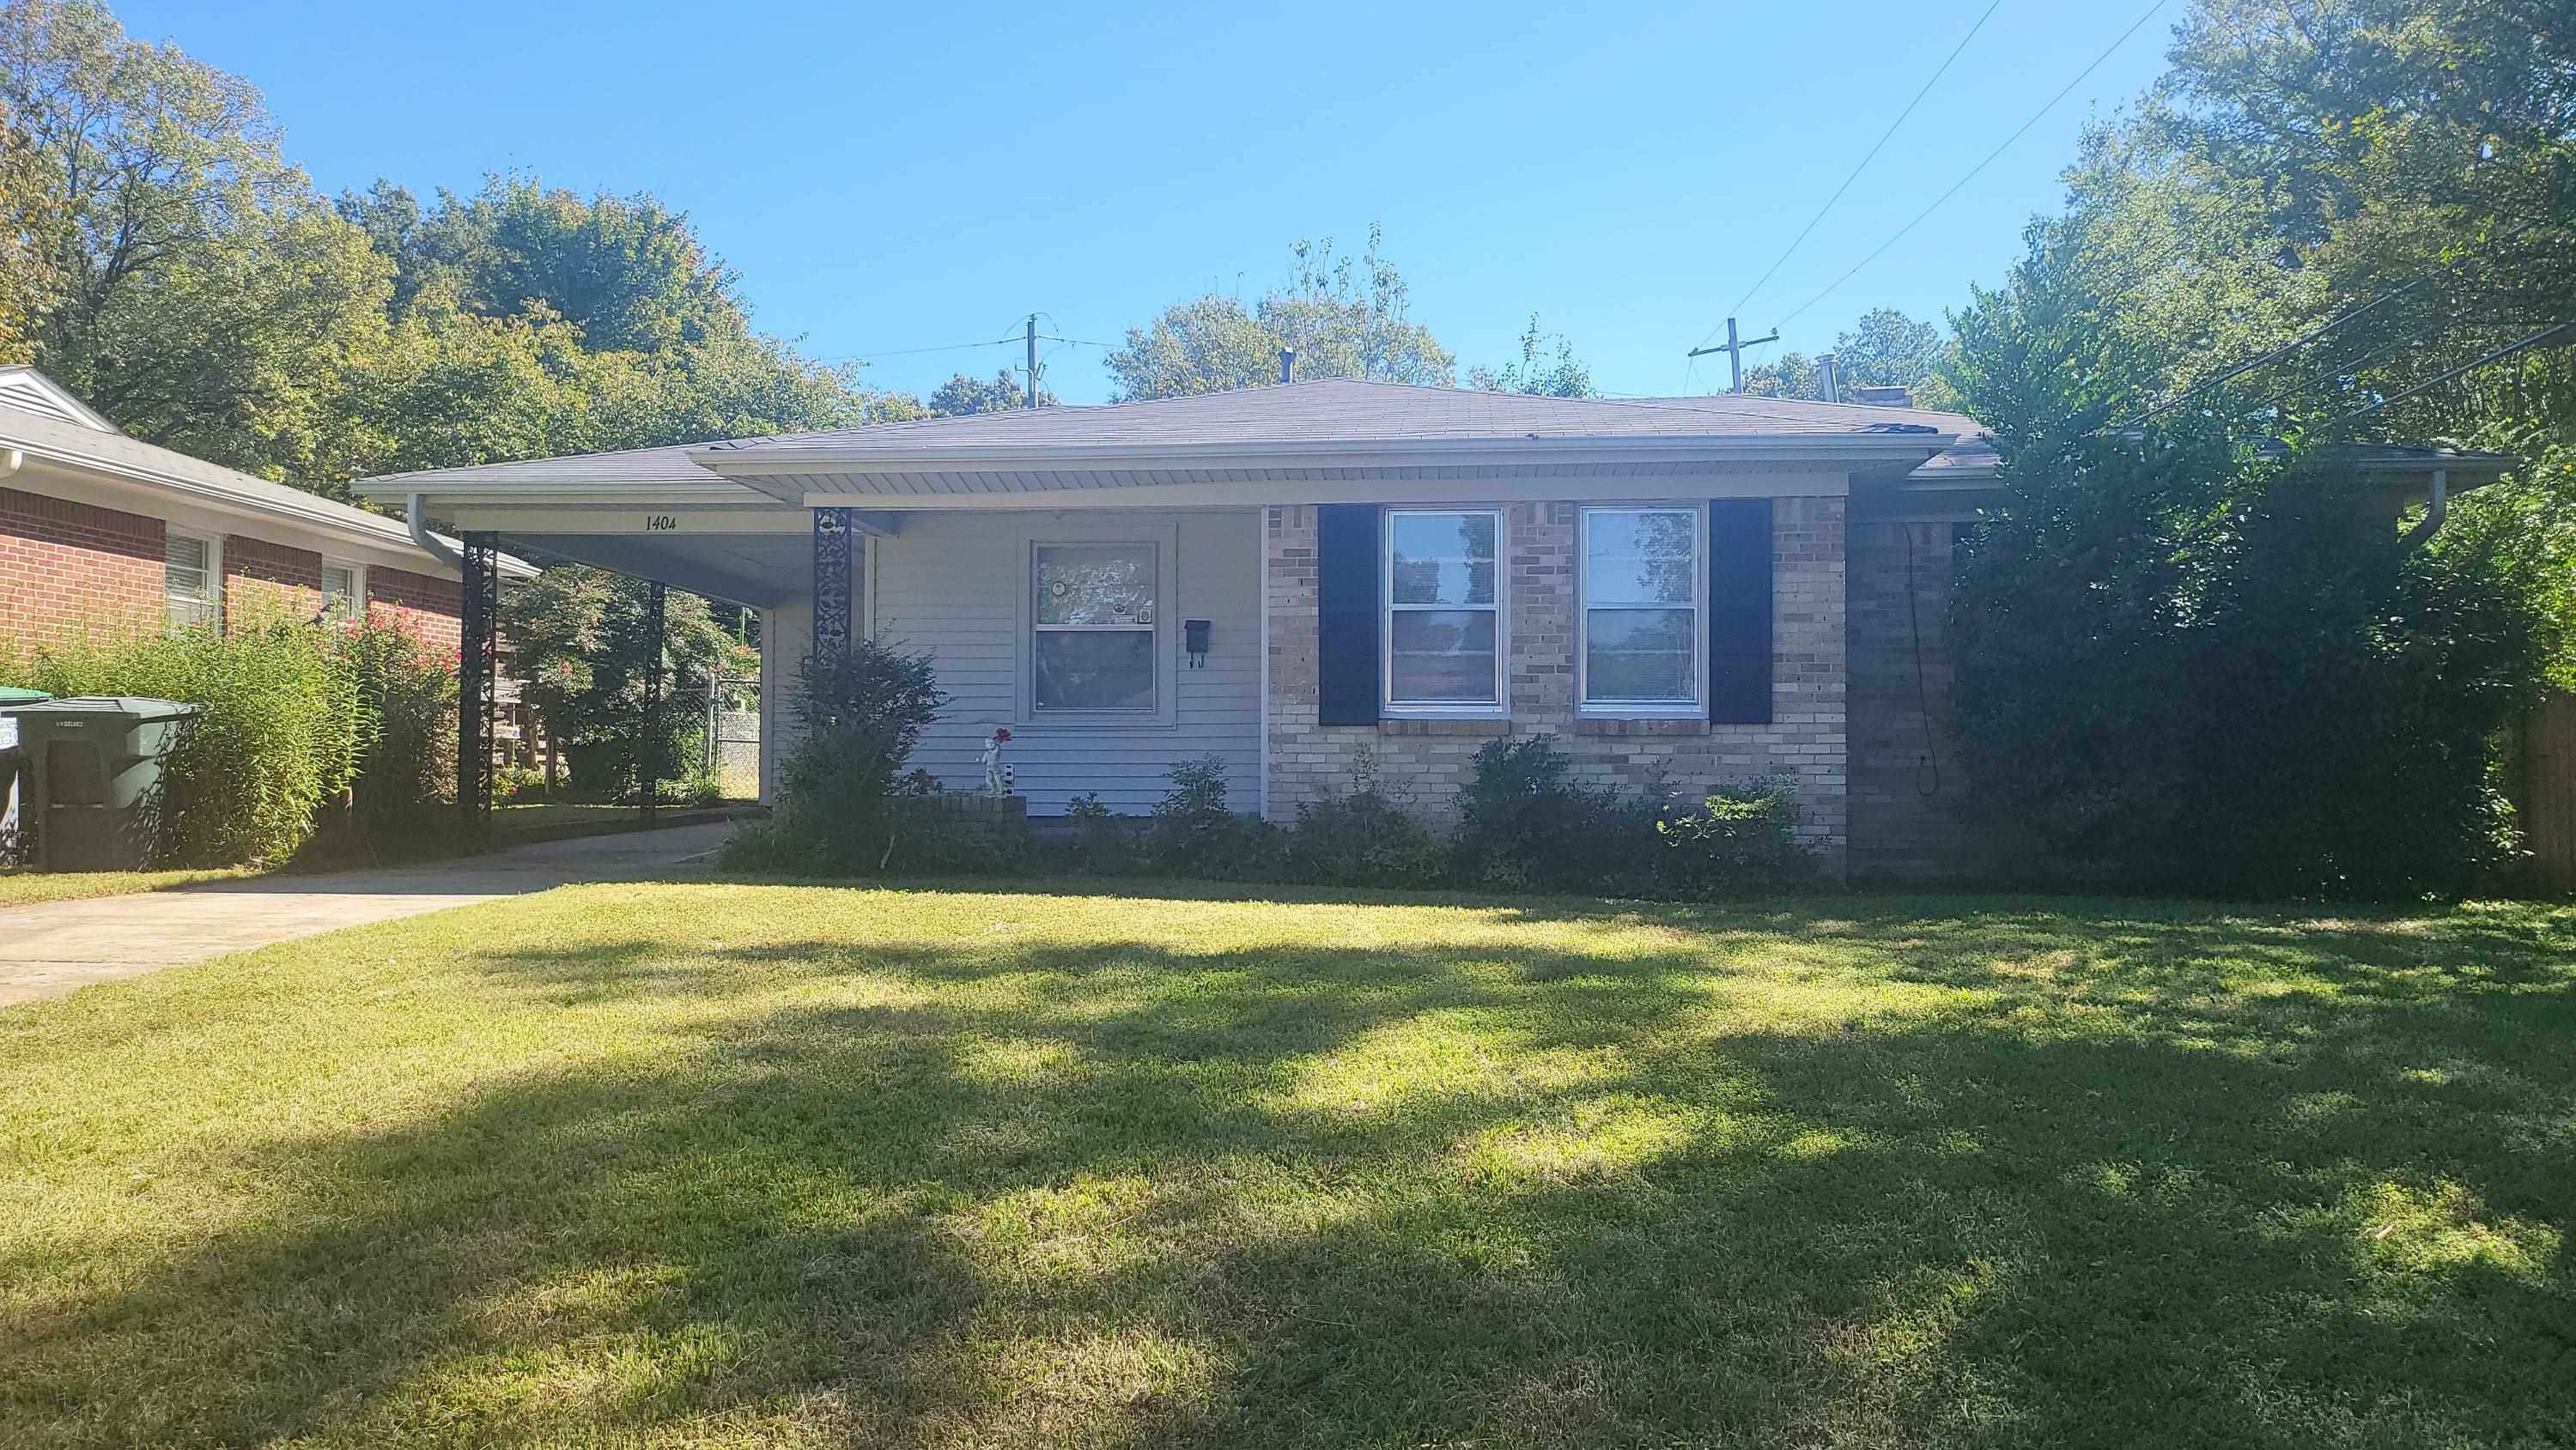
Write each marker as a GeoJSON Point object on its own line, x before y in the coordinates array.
{"type": "Point", "coordinates": [101, 536]}
{"type": "Point", "coordinates": [1318, 578]}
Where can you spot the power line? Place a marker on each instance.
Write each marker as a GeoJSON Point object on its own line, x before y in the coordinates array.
{"type": "Point", "coordinates": [1881, 145]}
{"type": "Point", "coordinates": [2497, 356]}
{"type": "Point", "coordinates": [2069, 89]}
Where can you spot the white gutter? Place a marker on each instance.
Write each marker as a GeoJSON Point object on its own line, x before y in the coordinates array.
{"type": "Point", "coordinates": [1323, 452]}
{"type": "Point", "coordinates": [430, 543]}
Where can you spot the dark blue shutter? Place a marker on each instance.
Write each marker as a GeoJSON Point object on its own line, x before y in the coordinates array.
{"type": "Point", "coordinates": [1346, 578]}
{"type": "Point", "coordinates": [1739, 611]}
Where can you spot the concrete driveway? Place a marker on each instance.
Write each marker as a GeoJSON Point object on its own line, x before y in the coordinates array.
{"type": "Point", "coordinates": [51, 949]}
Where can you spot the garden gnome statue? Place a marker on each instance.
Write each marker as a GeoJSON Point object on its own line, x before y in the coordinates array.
{"type": "Point", "coordinates": [997, 776]}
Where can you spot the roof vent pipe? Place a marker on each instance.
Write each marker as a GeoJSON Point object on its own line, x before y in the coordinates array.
{"type": "Point", "coordinates": [430, 543]}
{"type": "Point", "coordinates": [1287, 364]}
{"type": "Point", "coordinates": [1826, 383]}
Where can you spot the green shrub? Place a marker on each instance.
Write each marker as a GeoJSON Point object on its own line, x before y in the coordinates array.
{"type": "Point", "coordinates": [1365, 836]}
{"type": "Point", "coordinates": [839, 792]}
{"type": "Point", "coordinates": [1525, 825]}
{"type": "Point", "coordinates": [401, 802]}
{"type": "Point", "coordinates": [278, 731]}
{"type": "Point", "coordinates": [1102, 842]}
{"type": "Point", "coordinates": [1741, 841]}
{"type": "Point", "coordinates": [1194, 833]}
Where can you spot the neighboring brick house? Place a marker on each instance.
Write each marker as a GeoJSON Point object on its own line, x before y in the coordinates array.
{"type": "Point", "coordinates": [1316, 581]}
{"type": "Point", "coordinates": [102, 536]}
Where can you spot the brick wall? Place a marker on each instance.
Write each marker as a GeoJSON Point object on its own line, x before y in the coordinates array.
{"type": "Point", "coordinates": [76, 571]}
{"type": "Point", "coordinates": [432, 608]}
{"type": "Point", "coordinates": [1428, 759]}
{"type": "Point", "coordinates": [264, 582]}
{"type": "Point", "coordinates": [1907, 789]}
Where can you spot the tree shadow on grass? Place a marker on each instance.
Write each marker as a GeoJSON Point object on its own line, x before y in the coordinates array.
{"type": "Point", "coordinates": [2095, 1189]}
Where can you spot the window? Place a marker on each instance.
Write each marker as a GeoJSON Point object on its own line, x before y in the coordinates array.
{"type": "Point", "coordinates": [1093, 647]}
{"type": "Point", "coordinates": [1443, 610]}
{"type": "Point", "coordinates": [343, 591]}
{"type": "Point", "coordinates": [1642, 605]}
{"type": "Point", "coordinates": [188, 578]}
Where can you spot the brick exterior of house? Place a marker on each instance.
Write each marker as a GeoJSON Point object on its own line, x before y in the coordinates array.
{"type": "Point", "coordinates": [1427, 760]}
{"type": "Point", "coordinates": [265, 582]}
{"type": "Point", "coordinates": [432, 608]}
{"type": "Point", "coordinates": [73, 571]}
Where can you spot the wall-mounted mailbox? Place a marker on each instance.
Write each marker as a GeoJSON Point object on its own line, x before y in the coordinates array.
{"type": "Point", "coordinates": [1194, 640]}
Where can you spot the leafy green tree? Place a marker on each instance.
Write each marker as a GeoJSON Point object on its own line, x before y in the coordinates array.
{"type": "Point", "coordinates": [577, 637]}
{"type": "Point", "coordinates": [961, 395]}
{"type": "Point", "coordinates": [31, 217]}
{"type": "Point", "coordinates": [204, 298]}
{"type": "Point", "coordinates": [1547, 367]}
{"type": "Point", "coordinates": [1343, 320]}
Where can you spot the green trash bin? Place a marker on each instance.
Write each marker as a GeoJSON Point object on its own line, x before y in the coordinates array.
{"type": "Point", "coordinates": [96, 762]}
{"type": "Point", "coordinates": [13, 764]}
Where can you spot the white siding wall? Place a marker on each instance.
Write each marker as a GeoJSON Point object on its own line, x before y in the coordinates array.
{"type": "Point", "coordinates": [953, 584]}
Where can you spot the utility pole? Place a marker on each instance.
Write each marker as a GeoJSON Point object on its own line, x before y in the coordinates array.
{"type": "Point", "coordinates": [1033, 360]}
{"type": "Point", "coordinates": [1734, 351]}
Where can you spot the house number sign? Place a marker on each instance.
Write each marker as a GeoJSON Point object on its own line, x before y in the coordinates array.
{"type": "Point", "coordinates": [660, 523]}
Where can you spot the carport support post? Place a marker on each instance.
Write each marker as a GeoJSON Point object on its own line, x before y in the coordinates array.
{"type": "Point", "coordinates": [648, 741]}
{"type": "Point", "coordinates": [477, 662]}
{"type": "Point", "coordinates": [831, 585]}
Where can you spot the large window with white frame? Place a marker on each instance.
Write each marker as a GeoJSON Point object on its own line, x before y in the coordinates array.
{"type": "Point", "coordinates": [1644, 623]}
{"type": "Point", "coordinates": [1093, 649]}
{"type": "Point", "coordinates": [191, 580]}
{"type": "Point", "coordinates": [1444, 610]}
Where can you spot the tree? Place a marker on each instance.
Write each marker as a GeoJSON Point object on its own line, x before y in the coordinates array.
{"type": "Point", "coordinates": [202, 296]}
{"type": "Point", "coordinates": [577, 637]}
{"type": "Point", "coordinates": [961, 395]}
{"type": "Point", "coordinates": [1562, 375]}
{"type": "Point", "coordinates": [1885, 348]}
{"type": "Point", "coordinates": [1339, 323]}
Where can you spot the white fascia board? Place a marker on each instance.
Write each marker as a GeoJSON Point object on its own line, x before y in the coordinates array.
{"type": "Point", "coordinates": [748, 464]}
{"type": "Point", "coordinates": [643, 519]}
{"type": "Point", "coordinates": [1478, 489]}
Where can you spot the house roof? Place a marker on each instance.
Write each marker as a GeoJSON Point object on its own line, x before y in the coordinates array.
{"type": "Point", "coordinates": [1331, 414]}
{"type": "Point", "coordinates": [31, 422]}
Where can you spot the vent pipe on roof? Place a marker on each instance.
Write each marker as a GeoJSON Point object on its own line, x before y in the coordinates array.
{"type": "Point", "coordinates": [1826, 382]}
{"type": "Point", "coordinates": [1287, 364]}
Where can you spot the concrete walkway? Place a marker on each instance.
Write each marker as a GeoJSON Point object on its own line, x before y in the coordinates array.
{"type": "Point", "coordinates": [49, 950]}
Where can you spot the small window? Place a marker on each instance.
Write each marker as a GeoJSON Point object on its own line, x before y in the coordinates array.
{"type": "Point", "coordinates": [341, 585]}
{"type": "Point", "coordinates": [1642, 594]}
{"type": "Point", "coordinates": [1443, 609]}
{"type": "Point", "coordinates": [1095, 629]}
{"type": "Point", "coordinates": [188, 579]}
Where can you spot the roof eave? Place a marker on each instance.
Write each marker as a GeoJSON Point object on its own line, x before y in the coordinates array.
{"type": "Point", "coordinates": [1305, 453]}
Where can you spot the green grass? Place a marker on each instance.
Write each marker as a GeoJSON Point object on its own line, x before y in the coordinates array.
{"type": "Point", "coordinates": [26, 888]}
{"type": "Point", "coordinates": [773, 1165]}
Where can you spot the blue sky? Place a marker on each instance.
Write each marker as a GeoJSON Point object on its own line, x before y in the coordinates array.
{"type": "Point", "coordinates": [898, 178]}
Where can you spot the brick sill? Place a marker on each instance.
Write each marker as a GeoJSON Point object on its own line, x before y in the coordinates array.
{"type": "Point", "coordinates": [1469, 728]}
{"type": "Point", "coordinates": [1629, 726]}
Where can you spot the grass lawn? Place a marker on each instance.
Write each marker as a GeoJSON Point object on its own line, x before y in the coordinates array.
{"type": "Point", "coordinates": [771, 1165]}
{"type": "Point", "coordinates": [25, 888]}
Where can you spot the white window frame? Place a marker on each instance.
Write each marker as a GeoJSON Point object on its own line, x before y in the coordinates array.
{"type": "Point", "coordinates": [1695, 708]}
{"type": "Point", "coordinates": [212, 600]}
{"type": "Point", "coordinates": [1387, 609]}
{"type": "Point", "coordinates": [357, 607]}
{"type": "Point", "coordinates": [1154, 710]}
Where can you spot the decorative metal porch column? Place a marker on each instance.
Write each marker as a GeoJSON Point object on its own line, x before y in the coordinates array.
{"type": "Point", "coordinates": [832, 537]}
{"type": "Point", "coordinates": [477, 669]}
{"type": "Point", "coordinates": [648, 741]}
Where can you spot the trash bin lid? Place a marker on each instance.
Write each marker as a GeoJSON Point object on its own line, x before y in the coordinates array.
{"type": "Point", "coordinates": [135, 709]}
{"type": "Point", "coordinates": [11, 695]}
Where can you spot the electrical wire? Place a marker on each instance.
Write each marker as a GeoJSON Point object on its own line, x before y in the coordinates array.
{"type": "Point", "coordinates": [2069, 89]}
{"type": "Point", "coordinates": [2488, 359]}
{"type": "Point", "coordinates": [1884, 137]}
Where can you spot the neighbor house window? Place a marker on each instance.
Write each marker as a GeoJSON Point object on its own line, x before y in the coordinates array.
{"type": "Point", "coordinates": [1093, 649]}
{"type": "Point", "coordinates": [1443, 609]}
{"type": "Point", "coordinates": [343, 588]}
{"type": "Point", "coordinates": [188, 578]}
{"type": "Point", "coordinates": [1643, 602]}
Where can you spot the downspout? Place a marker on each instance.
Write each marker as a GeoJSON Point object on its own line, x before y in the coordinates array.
{"type": "Point", "coordinates": [12, 461]}
{"type": "Point", "coordinates": [436, 547]}
{"type": "Point", "coordinates": [2437, 507]}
